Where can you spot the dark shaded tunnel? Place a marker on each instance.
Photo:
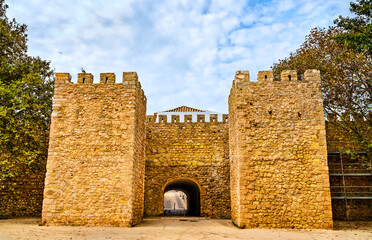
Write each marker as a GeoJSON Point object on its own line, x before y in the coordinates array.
{"type": "Point", "coordinates": [191, 189]}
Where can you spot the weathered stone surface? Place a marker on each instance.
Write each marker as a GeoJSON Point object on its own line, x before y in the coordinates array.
{"type": "Point", "coordinates": [269, 156]}
{"type": "Point", "coordinates": [95, 168]}
{"type": "Point", "coordinates": [197, 151]}
{"type": "Point", "coordinates": [278, 155]}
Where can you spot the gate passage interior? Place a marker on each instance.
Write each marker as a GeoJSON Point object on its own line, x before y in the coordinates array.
{"type": "Point", "coordinates": [182, 198]}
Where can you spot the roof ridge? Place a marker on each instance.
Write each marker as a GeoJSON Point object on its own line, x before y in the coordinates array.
{"type": "Point", "coordinates": [184, 108]}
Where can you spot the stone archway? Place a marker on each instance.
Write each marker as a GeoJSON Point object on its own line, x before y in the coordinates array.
{"type": "Point", "coordinates": [191, 189]}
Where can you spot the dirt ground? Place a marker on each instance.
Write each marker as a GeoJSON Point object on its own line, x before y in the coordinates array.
{"type": "Point", "coordinates": [176, 228]}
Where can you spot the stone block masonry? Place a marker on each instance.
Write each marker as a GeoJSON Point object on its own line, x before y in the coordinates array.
{"type": "Point", "coordinates": [196, 151]}
{"type": "Point", "coordinates": [95, 167]}
{"type": "Point", "coordinates": [264, 165]}
{"type": "Point", "coordinates": [278, 154]}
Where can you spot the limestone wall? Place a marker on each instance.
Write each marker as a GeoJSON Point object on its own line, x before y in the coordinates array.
{"type": "Point", "coordinates": [96, 153]}
{"type": "Point", "coordinates": [196, 151]}
{"type": "Point", "coordinates": [278, 154]}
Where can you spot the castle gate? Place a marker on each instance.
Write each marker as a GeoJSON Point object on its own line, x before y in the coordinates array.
{"type": "Point", "coordinates": [108, 163]}
{"type": "Point", "coordinates": [188, 149]}
{"type": "Point", "coordinates": [191, 202]}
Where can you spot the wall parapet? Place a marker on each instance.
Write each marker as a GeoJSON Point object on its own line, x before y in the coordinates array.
{"type": "Point", "coordinates": [187, 117]}
{"type": "Point", "coordinates": [129, 78]}
{"type": "Point", "coordinates": [268, 76]}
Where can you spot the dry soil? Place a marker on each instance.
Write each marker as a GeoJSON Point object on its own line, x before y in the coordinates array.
{"type": "Point", "coordinates": [176, 228]}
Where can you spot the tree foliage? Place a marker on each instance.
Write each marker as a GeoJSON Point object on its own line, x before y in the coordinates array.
{"type": "Point", "coordinates": [357, 31]}
{"type": "Point", "coordinates": [346, 80]}
{"type": "Point", "coordinates": [26, 89]}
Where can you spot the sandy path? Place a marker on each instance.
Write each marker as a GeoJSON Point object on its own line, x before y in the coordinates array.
{"type": "Point", "coordinates": [174, 228]}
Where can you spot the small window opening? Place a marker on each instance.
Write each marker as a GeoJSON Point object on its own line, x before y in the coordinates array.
{"type": "Point", "coordinates": [289, 77]}
{"type": "Point", "coordinates": [106, 79]}
{"type": "Point", "coordinates": [265, 77]}
{"type": "Point", "coordinates": [84, 80]}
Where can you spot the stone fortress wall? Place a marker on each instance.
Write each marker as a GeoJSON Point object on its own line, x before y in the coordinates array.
{"type": "Point", "coordinates": [95, 167]}
{"type": "Point", "coordinates": [192, 150]}
{"type": "Point", "coordinates": [264, 164]}
{"type": "Point", "coordinates": [278, 153]}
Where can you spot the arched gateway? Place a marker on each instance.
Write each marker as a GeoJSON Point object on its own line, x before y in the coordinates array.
{"type": "Point", "coordinates": [191, 200]}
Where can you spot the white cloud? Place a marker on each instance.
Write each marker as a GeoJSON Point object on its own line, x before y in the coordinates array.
{"type": "Point", "coordinates": [185, 52]}
{"type": "Point", "coordinates": [285, 5]}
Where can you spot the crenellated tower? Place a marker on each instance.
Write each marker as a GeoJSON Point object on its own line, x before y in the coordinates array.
{"type": "Point", "coordinates": [95, 167]}
{"type": "Point", "coordinates": [278, 154]}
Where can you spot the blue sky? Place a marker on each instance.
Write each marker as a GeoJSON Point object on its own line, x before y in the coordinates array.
{"type": "Point", "coordinates": [185, 52]}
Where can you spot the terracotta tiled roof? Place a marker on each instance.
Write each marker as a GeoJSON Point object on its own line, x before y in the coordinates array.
{"type": "Point", "coordinates": [184, 109]}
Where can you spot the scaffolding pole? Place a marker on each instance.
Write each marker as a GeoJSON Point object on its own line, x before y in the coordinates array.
{"type": "Point", "coordinates": [345, 192]}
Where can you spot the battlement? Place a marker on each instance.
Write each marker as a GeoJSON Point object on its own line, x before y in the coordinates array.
{"type": "Point", "coordinates": [62, 78]}
{"type": "Point", "coordinates": [107, 78]}
{"type": "Point", "coordinates": [129, 78]}
{"type": "Point", "coordinates": [85, 78]}
{"type": "Point", "coordinates": [63, 81]}
{"type": "Point", "coordinates": [187, 117]}
{"type": "Point", "coordinates": [285, 76]}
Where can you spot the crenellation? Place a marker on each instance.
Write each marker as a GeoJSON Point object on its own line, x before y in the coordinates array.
{"type": "Point", "coordinates": [107, 78]}
{"type": "Point", "coordinates": [130, 78]}
{"type": "Point", "coordinates": [225, 117]}
{"type": "Point", "coordinates": [265, 76]}
{"type": "Point", "coordinates": [213, 118]}
{"type": "Point", "coordinates": [241, 76]}
{"type": "Point", "coordinates": [312, 75]}
{"type": "Point", "coordinates": [85, 78]}
{"type": "Point", "coordinates": [175, 118]}
{"type": "Point", "coordinates": [62, 78]}
{"type": "Point", "coordinates": [150, 118]}
{"type": "Point", "coordinates": [188, 118]}
{"type": "Point", "coordinates": [163, 119]}
{"type": "Point", "coordinates": [200, 118]}
{"type": "Point", "coordinates": [288, 75]}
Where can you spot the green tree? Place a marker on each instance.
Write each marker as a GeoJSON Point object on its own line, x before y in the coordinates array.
{"type": "Point", "coordinates": [26, 89]}
{"type": "Point", "coordinates": [346, 81]}
{"type": "Point", "coordinates": [357, 31]}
